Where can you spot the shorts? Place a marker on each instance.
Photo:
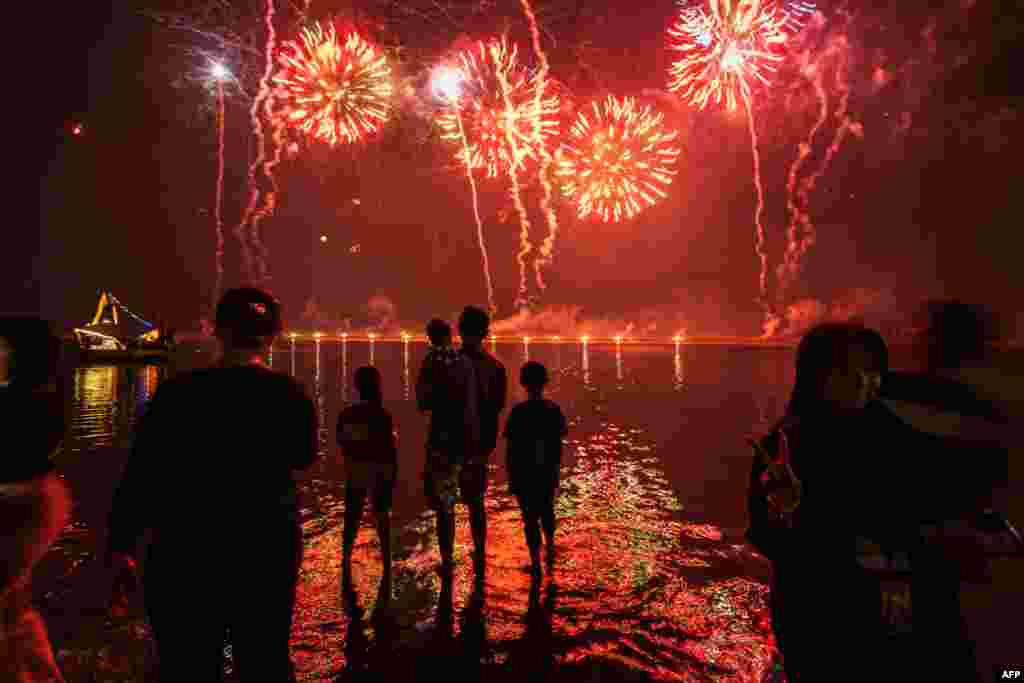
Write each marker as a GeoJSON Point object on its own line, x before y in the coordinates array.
{"type": "Point", "coordinates": [373, 480]}
{"type": "Point", "coordinates": [472, 482]}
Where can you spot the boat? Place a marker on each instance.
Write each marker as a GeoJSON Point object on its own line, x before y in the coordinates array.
{"type": "Point", "coordinates": [116, 335]}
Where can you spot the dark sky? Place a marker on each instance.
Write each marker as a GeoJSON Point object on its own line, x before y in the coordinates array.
{"type": "Point", "coordinates": [927, 208]}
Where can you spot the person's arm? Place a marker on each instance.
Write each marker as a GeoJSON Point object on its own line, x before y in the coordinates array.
{"type": "Point", "coordinates": [765, 532]}
{"type": "Point", "coordinates": [510, 461]}
{"type": "Point", "coordinates": [424, 388]}
{"type": "Point", "coordinates": [500, 389]}
{"type": "Point", "coordinates": [129, 516]}
{"type": "Point", "coordinates": [392, 439]}
{"type": "Point", "coordinates": [307, 425]}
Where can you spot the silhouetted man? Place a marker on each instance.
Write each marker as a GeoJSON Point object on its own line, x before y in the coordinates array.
{"type": "Point", "coordinates": [485, 399]}
{"type": "Point", "coordinates": [212, 475]}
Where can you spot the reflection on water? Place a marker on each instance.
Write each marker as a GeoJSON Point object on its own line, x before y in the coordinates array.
{"type": "Point", "coordinates": [678, 365]}
{"type": "Point", "coordinates": [645, 581]}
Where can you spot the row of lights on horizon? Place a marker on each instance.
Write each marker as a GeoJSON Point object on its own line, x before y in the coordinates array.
{"type": "Point", "coordinates": [406, 337]}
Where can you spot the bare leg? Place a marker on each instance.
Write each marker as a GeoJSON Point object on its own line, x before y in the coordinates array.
{"type": "Point", "coordinates": [384, 534]}
{"type": "Point", "coordinates": [354, 504]}
{"type": "Point", "coordinates": [478, 525]}
{"type": "Point", "coordinates": [446, 536]}
{"type": "Point", "coordinates": [547, 519]}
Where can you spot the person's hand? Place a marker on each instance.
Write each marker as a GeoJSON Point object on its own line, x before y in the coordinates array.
{"type": "Point", "coordinates": [896, 603]}
{"type": "Point", "coordinates": [782, 488]}
{"type": "Point", "coordinates": [125, 584]}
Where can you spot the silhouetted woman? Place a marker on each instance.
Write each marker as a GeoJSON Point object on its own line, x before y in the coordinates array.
{"type": "Point", "coordinates": [806, 514]}
{"type": "Point", "coordinates": [34, 502]}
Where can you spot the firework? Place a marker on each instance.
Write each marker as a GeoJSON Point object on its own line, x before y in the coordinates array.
{"type": "Point", "coordinates": [725, 50]}
{"type": "Point", "coordinates": [220, 74]}
{"type": "Point", "coordinates": [547, 247]}
{"type": "Point", "coordinates": [619, 159]}
{"type": "Point", "coordinates": [447, 84]}
{"type": "Point", "coordinates": [504, 123]}
{"type": "Point", "coordinates": [331, 90]}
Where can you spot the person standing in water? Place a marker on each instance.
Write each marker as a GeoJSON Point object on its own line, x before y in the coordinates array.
{"type": "Point", "coordinates": [34, 502]}
{"type": "Point", "coordinates": [534, 430]}
{"type": "Point", "coordinates": [366, 436]}
{"type": "Point", "coordinates": [213, 474]}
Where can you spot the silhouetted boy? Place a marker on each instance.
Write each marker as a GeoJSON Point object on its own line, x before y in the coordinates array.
{"type": "Point", "coordinates": [366, 436]}
{"type": "Point", "coordinates": [213, 474]}
{"type": "Point", "coordinates": [534, 431]}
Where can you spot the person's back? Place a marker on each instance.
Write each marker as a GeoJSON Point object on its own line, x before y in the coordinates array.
{"type": "Point", "coordinates": [223, 442]}
{"type": "Point", "coordinates": [366, 434]}
{"type": "Point", "coordinates": [490, 383]}
{"type": "Point", "coordinates": [534, 429]}
{"type": "Point", "coordinates": [211, 473]}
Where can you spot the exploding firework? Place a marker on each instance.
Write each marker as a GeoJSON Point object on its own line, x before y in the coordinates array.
{"type": "Point", "coordinates": [618, 160]}
{"type": "Point", "coordinates": [331, 90]}
{"type": "Point", "coordinates": [503, 122]}
{"type": "Point", "coordinates": [726, 50]}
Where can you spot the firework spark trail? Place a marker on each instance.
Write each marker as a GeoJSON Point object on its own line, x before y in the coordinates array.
{"type": "Point", "coordinates": [517, 199]}
{"type": "Point", "coordinates": [269, 197]}
{"type": "Point", "coordinates": [476, 214]}
{"type": "Point", "coordinates": [798, 215]}
{"type": "Point", "coordinates": [257, 127]}
{"type": "Point", "coordinates": [547, 247]}
{"type": "Point", "coordinates": [759, 246]}
{"type": "Point", "coordinates": [807, 185]}
{"type": "Point", "coordinates": [219, 199]}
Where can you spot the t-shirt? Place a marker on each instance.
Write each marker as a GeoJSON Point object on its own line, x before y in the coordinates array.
{"type": "Point", "coordinates": [534, 431]}
{"type": "Point", "coordinates": [366, 433]}
{"type": "Point", "coordinates": [32, 424]}
{"type": "Point", "coordinates": [213, 458]}
{"type": "Point", "coordinates": [491, 385]}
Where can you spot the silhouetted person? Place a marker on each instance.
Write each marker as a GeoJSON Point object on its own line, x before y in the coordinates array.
{"type": "Point", "coordinates": [470, 405]}
{"type": "Point", "coordinates": [534, 430]}
{"type": "Point", "coordinates": [212, 474]}
{"type": "Point", "coordinates": [366, 435]}
{"type": "Point", "coordinates": [861, 472]}
{"type": "Point", "coordinates": [34, 502]}
{"type": "Point", "coordinates": [490, 384]}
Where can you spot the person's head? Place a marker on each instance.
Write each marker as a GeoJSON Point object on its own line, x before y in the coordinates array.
{"type": "Point", "coordinates": [474, 325]}
{"type": "Point", "coordinates": [439, 332]}
{"type": "Point", "coordinates": [878, 357]}
{"type": "Point", "coordinates": [247, 319]}
{"type": "Point", "coordinates": [534, 377]}
{"type": "Point", "coordinates": [833, 363]}
{"type": "Point", "coordinates": [955, 333]}
{"type": "Point", "coordinates": [367, 379]}
{"type": "Point", "coordinates": [29, 352]}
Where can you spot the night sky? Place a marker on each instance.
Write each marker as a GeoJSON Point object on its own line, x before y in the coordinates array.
{"type": "Point", "coordinates": [927, 204]}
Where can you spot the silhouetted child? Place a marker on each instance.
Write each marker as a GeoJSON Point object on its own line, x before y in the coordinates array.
{"type": "Point", "coordinates": [367, 439]}
{"type": "Point", "coordinates": [441, 393]}
{"type": "Point", "coordinates": [534, 431]}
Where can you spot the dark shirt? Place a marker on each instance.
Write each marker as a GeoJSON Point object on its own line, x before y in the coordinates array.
{"type": "Point", "coordinates": [366, 433]}
{"type": "Point", "coordinates": [32, 425]}
{"type": "Point", "coordinates": [213, 458]}
{"type": "Point", "coordinates": [492, 387]}
{"type": "Point", "coordinates": [442, 389]}
{"type": "Point", "coordinates": [534, 430]}
{"type": "Point", "coordinates": [875, 477]}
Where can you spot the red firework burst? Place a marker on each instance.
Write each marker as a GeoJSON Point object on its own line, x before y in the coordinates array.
{"type": "Point", "coordinates": [725, 49]}
{"type": "Point", "coordinates": [331, 90]}
{"type": "Point", "coordinates": [619, 161]}
{"type": "Point", "coordinates": [497, 120]}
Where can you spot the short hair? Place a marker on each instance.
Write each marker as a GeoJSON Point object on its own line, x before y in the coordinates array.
{"type": "Point", "coordinates": [35, 350]}
{"type": "Point", "coordinates": [474, 322]}
{"type": "Point", "coordinates": [533, 375]}
{"type": "Point", "coordinates": [367, 380]}
{"type": "Point", "coordinates": [438, 330]}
